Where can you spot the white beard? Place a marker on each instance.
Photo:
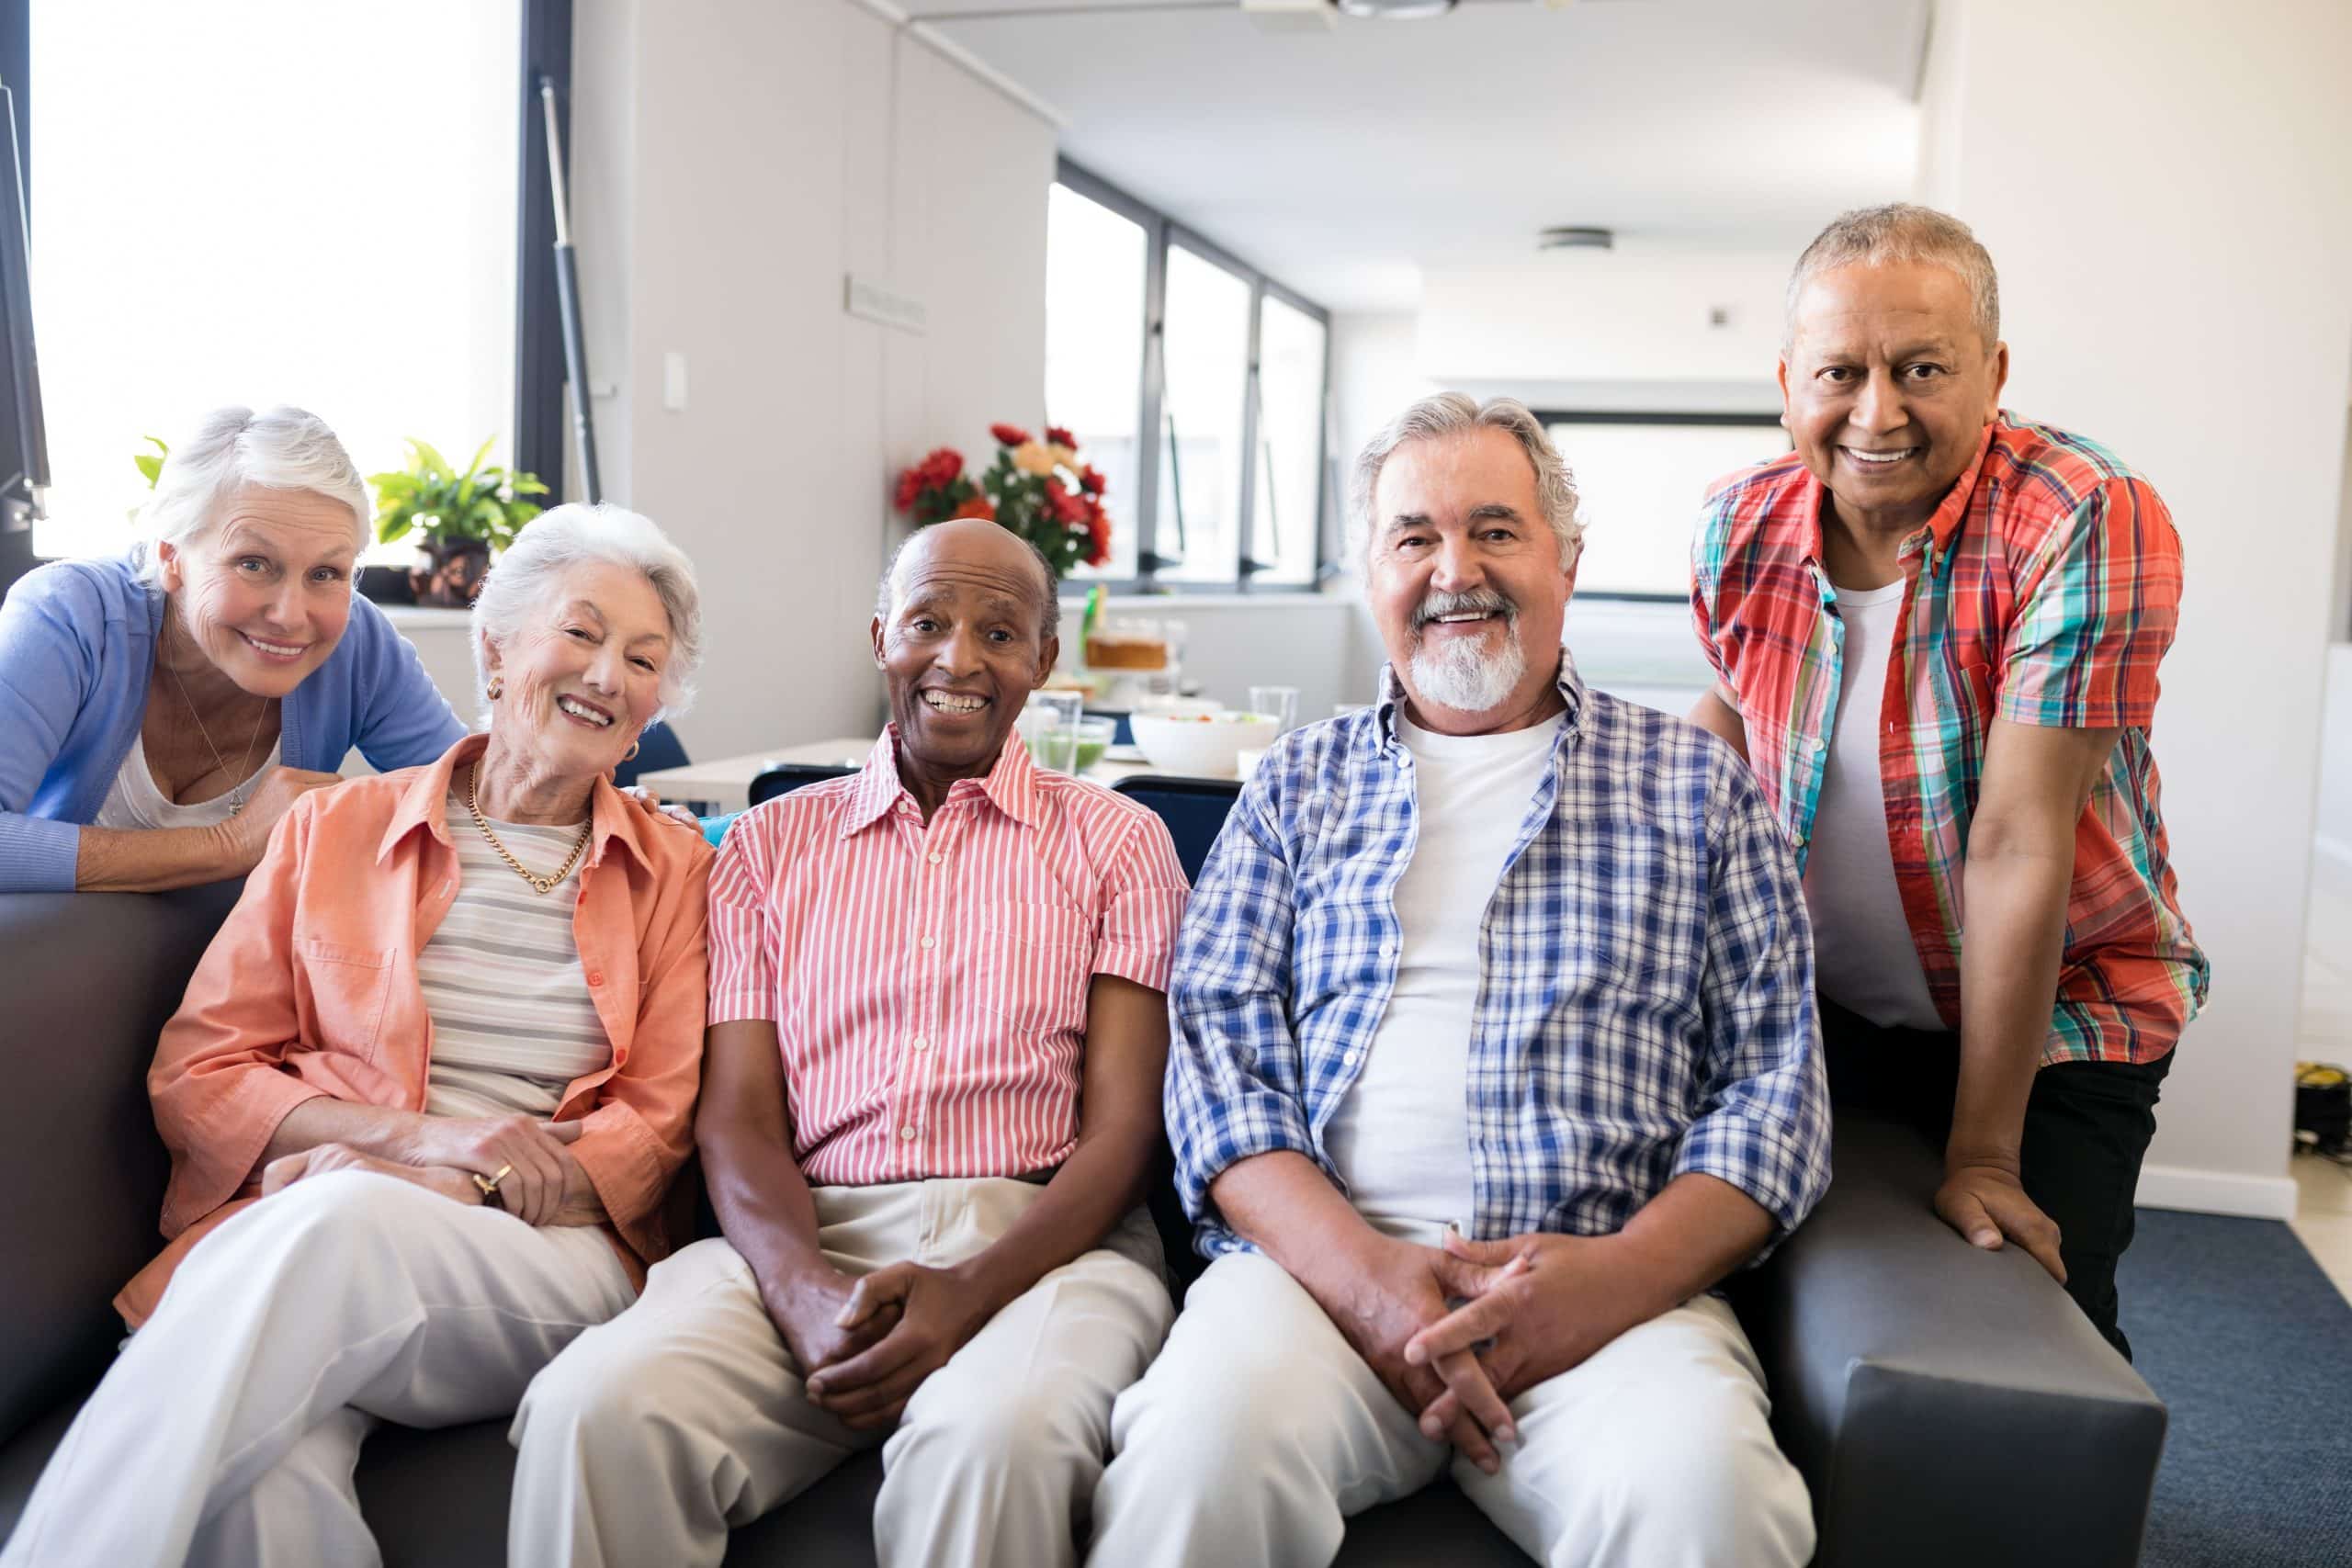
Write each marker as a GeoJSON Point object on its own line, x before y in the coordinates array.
{"type": "Point", "coordinates": [1459, 674]}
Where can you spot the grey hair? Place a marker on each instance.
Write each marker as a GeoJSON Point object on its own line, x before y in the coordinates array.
{"type": "Point", "coordinates": [565, 536]}
{"type": "Point", "coordinates": [1458, 413]}
{"type": "Point", "coordinates": [1892, 235]}
{"type": "Point", "coordinates": [1044, 594]}
{"type": "Point", "coordinates": [285, 449]}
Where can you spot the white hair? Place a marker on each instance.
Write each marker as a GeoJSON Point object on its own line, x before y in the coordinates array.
{"type": "Point", "coordinates": [566, 537]}
{"type": "Point", "coordinates": [1893, 235]}
{"type": "Point", "coordinates": [285, 449]}
{"type": "Point", "coordinates": [1457, 413]}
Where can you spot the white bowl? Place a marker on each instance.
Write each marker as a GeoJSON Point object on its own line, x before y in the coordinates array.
{"type": "Point", "coordinates": [1203, 745]}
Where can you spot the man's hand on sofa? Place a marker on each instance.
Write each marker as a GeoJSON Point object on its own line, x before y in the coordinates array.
{"type": "Point", "coordinates": [1985, 1202]}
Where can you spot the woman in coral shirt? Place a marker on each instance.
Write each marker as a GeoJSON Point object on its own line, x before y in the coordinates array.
{"type": "Point", "coordinates": [424, 1097]}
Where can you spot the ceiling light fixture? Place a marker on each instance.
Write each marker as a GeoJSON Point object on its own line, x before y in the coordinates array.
{"type": "Point", "coordinates": [1394, 10]}
{"type": "Point", "coordinates": [1575, 237]}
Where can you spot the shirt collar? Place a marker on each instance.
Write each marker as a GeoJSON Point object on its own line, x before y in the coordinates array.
{"type": "Point", "coordinates": [1569, 684]}
{"type": "Point", "coordinates": [424, 805]}
{"type": "Point", "coordinates": [1940, 528]}
{"type": "Point", "coordinates": [1011, 785]}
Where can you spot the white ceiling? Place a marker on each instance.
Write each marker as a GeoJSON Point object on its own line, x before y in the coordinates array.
{"type": "Point", "coordinates": [1343, 161]}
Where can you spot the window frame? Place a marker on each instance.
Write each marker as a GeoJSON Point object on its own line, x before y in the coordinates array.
{"type": "Point", "coordinates": [540, 415]}
{"type": "Point", "coordinates": [1159, 232]}
{"type": "Point", "coordinates": [1548, 417]}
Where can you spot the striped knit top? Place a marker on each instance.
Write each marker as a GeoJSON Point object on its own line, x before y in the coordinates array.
{"type": "Point", "coordinates": [513, 1020]}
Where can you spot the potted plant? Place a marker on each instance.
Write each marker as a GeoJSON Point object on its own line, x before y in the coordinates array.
{"type": "Point", "coordinates": [460, 519]}
{"type": "Point", "coordinates": [1037, 488]}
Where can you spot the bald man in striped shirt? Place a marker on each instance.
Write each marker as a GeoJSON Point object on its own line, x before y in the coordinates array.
{"type": "Point", "coordinates": [931, 1098]}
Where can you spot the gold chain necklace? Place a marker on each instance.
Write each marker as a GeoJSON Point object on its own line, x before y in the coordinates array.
{"type": "Point", "coordinates": [539, 883]}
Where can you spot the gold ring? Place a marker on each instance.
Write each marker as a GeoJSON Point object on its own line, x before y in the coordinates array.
{"type": "Point", "coordinates": [489, 1185]}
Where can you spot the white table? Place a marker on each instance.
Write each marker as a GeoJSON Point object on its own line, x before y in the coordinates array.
{"type": "Point", "coordinates": [727, 781]}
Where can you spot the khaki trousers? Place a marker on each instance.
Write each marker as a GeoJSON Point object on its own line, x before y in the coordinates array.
{"type": "Point", "coordinates": [227, 1429]}
{"type": "Point", "coordinates": [1260, 1429]}
{"type": "Point", "coordinates": [686, 1416]}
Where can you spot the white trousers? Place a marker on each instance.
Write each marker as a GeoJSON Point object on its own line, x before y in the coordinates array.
{"type": "Point", "coordinates": [227, 1430]}
{"type": "Point", "coordinates": [686, 1416]}
{"type": "Point", "coordinates": [1259, 1430]}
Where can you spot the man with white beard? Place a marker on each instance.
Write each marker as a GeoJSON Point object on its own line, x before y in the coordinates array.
{"type": "Point", "coordinates": [1494, 1053]}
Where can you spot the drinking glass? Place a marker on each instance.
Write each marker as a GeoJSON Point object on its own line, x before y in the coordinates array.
{"type": "Point", "coordinates": [1049, 728]}
{"type": "Point", "coordinates": [1277, 703]}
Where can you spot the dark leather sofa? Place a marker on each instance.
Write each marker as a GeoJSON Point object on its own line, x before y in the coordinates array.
{"type": "Point", "coordinates": [1948, 1407]}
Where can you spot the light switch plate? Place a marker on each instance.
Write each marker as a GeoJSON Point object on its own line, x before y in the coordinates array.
{"type": "Point", "coordinates": [864, 298]}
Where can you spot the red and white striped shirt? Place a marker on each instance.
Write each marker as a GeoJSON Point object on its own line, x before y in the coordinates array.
{"type": "Point", "coordinates": [928, 982]}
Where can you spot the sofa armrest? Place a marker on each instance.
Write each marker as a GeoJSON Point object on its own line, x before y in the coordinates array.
{"type": "Point", "coordinates": [1947, 1405]}
{"type": "Point", "coordinates": [87, 981]}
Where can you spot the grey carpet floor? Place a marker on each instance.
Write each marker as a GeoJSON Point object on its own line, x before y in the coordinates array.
{"type": "Point", "coordinates": [2237, 1330]}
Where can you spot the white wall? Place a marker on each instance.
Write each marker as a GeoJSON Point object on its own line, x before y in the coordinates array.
{"type": "Point", "coordinates": [2166, 188]}
{"type": "Point", "coordinates": [732, 162]}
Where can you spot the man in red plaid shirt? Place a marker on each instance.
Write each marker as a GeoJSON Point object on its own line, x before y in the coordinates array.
{"type": "Point", "coordinates": [1936, 629]}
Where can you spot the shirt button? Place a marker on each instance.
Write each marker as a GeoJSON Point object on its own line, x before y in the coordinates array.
{"type": "Point", "coordinates": [928, 944]}
{"type": "Point", "coordinates": [935, 857]}
{"type": "Point", "coordinates": [1351, 1056]}
{"type": "Point", "coordinates": [917, 1044]}
{"type": "Point", "coordinates": [1388, 950]}
{"type": "Point", "coordinates": [906, 1133]}
{"type": "Point", "coordinates": [596, 979]}
{"type": "Point", "coordinates": [1817, 744]}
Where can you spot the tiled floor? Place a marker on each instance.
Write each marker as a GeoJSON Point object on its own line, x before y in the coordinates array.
{"type": "Point", "coordinates": [2323, 1216]}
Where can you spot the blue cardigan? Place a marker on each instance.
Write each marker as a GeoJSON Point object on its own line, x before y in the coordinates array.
{"type": "Point", "coordinates": [77, 649]}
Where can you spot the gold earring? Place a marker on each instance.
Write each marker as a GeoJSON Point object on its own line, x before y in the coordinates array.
{"type": "Point", "coordinates": [631, 755]}
{"type": "Point", "coordinates": [497, 685]}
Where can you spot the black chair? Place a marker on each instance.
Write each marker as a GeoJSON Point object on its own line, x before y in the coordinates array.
{"type": "Point", "coordinates": [657, 748]}
{"type": "Point", "coordinates": [785, 777]}
{"type": "Point", "coordinates": [1194, 810]}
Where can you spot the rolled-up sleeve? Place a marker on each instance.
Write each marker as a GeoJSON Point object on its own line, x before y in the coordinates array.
{"type": "Point", "coordinates": [742, 978]}
{"type": "Point", "coordinates": [46, 673]}
{"type": "Point", "coordinates": [221, 1082]}
{"type": "Point", "coordinates": [1763, 1119]}
{"type": "Point", "coordinates": [637, 1137]}
{"type": "Point", "coordinates": [1144, 892]}
{"type": "Point", "coordinates": [2097, 618]}
{"type": "Point", "coordinates": [1235, 1070]}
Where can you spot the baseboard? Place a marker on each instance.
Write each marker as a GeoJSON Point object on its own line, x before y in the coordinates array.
{"type": "Point", "coordinates": [2216, 1192]}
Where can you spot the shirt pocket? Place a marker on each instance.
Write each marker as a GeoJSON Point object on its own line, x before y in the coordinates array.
{"type": "Point", "coordinates": [1032, 964]}
{"type": "Point", "coordinates": [343, 992]}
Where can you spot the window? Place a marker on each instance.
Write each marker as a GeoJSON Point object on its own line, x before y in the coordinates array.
{"type": "Point", "coordinates": [329, 221]}
{"type": "Point", "coordinates": [1294, 345]}
{"type": "Point", "coordinates": [1640, 479]}
{"type": "Point", "coordinates": [1197, 385]}
{"type": "Point", "coordinates": [1097, 261]}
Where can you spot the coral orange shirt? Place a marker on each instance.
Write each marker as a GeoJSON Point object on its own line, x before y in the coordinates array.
{"type": "Point", "coordinates": [311, 988]}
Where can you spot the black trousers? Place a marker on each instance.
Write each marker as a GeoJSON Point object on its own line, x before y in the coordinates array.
{"type": "Point", "coordinates": [2086, 1129]}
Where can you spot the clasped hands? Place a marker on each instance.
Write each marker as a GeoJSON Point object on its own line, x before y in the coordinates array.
{"type": "Point", "coordinates": [444, 1154]}
{"type": "Point", "coordinates": [1457, 1334]}
{"type": "Point", "coordinates": [866, 1344]}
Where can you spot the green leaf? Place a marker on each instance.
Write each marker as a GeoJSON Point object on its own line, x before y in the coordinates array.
{"type": "Point", "coordinates": [150, 466]}
{"type": "Point", "coordinates": [435, 465]}
{"type": "Point", "coordinates": [390, 526]}
{"type": "Point", "coordinates": [475, 467]}
{"type": "Point", "coordinates": [528, 484]}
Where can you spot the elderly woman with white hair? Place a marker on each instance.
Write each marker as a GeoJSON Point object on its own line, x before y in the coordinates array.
{"type": "Point", "coordinates": [425, 1097]}
{"type": "Point", "coordinates": [163, 708]}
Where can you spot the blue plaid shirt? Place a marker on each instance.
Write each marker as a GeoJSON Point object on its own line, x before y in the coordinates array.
{"type": "Point", "coordinates": [1647, 1006]}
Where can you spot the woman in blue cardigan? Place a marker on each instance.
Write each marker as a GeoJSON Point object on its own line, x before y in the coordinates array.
{"type": "Point", "coordinates": [160, 711]}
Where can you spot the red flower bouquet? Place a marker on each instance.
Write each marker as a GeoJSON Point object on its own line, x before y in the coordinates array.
{"type": "Point", "coordinates": [1037, 488]}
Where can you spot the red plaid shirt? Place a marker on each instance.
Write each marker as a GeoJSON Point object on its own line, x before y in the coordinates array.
{"type": "Point", "coordinates": [2043, 591]}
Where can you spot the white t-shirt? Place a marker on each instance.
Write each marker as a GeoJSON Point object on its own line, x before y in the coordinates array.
{"type": "Point", "coordinates": [1400, 1137]}
{"type": "Point", "coordinates": [133, 801]}
{"type": "Point", "coordinates": [1864, 957]}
